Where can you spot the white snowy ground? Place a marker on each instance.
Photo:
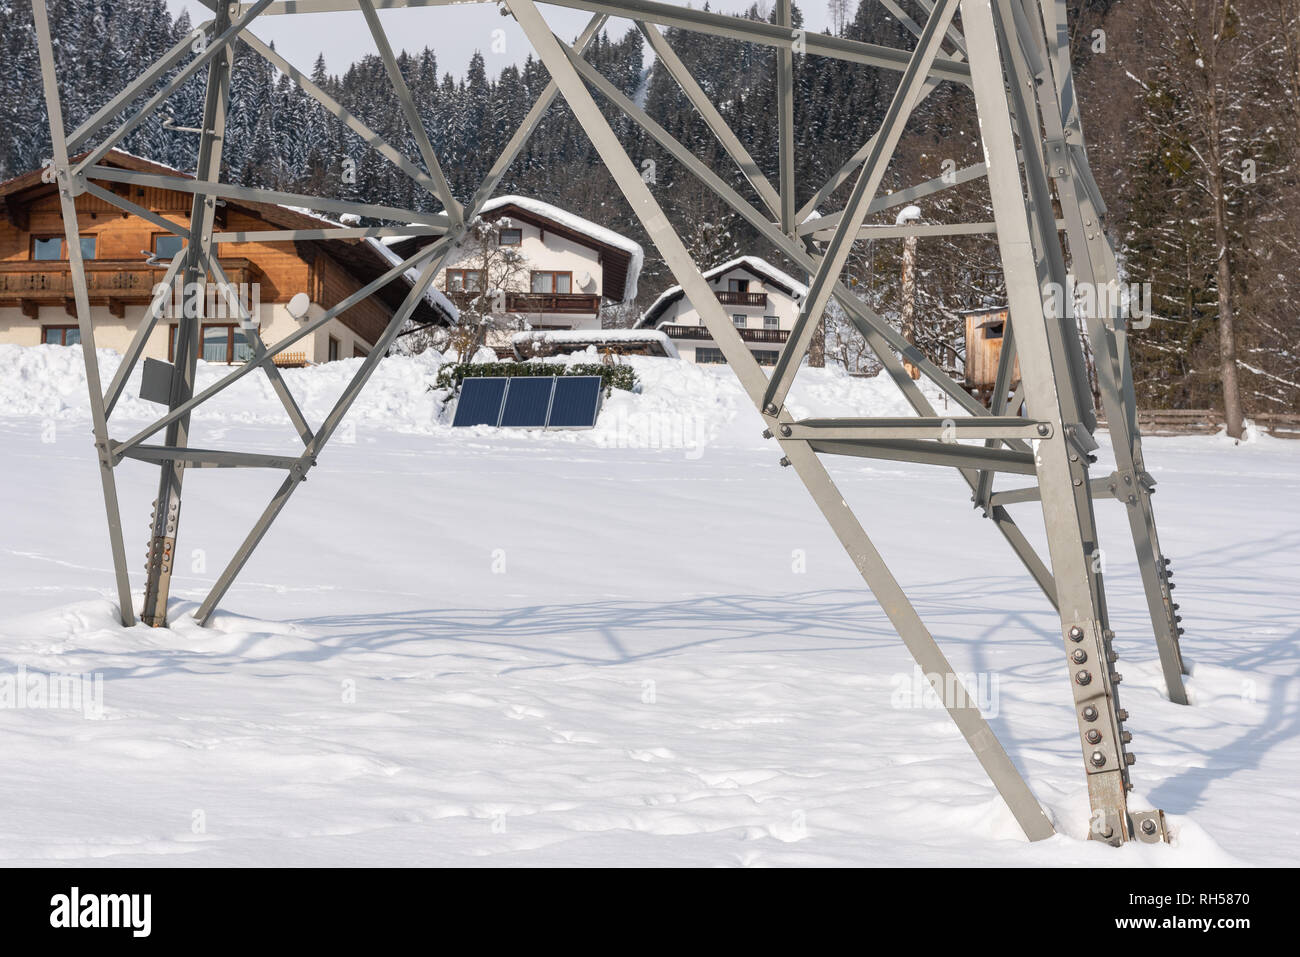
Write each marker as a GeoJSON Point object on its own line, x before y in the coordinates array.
{"type": "Point", "coordinates": [473, 648]}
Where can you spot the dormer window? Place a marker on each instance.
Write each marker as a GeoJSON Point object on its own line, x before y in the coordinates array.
{"type": "Point", "coordinates": [510, 237]}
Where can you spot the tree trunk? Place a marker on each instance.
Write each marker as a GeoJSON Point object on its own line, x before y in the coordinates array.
{"type": "Point", "coordinates": [1232, 415]}
{"type": "Point", "coordinates": [907, 319]}
{"type": "Point", "coordinates": [817, 348]}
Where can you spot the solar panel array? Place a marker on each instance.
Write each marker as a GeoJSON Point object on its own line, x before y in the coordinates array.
{"type": "Point", "coordinates": [480, 402]}
{"type": "Point", "coordinates": [530, 402]}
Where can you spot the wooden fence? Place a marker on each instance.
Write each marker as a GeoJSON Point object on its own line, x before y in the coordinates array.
{"type": "Point", "coordinates": [1208, 421]}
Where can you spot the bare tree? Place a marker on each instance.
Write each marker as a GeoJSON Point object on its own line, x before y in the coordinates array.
{"type": "Point", "coordinates": [839, 14]}
{"type": "Point", "coordinates": [480, 282]}
{"type": "Point", "coordinates": [619, 315]}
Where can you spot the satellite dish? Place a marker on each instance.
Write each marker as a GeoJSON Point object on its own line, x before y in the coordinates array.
{"type": "Point", "coordinates": [299, 305]}
{"type": "Point", "coordinates": [585, 280]}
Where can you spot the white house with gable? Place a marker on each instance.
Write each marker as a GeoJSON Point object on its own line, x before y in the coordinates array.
{"type": "Point", "coordinates": [762, 301]}
{"type": "Point", "coordinates": [572, 265]}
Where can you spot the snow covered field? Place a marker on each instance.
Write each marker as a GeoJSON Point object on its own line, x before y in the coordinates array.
{"type": "Point", "coordinates": [464, 647]}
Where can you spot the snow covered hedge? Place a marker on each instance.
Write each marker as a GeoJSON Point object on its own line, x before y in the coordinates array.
{"type": "Point", "coordinates": [612, 377]}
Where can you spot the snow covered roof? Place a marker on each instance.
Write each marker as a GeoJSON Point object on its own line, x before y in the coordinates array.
{"type": "Point", "coordinates": [552, 341]}
{"type": "Point", "coordinates": [431, 293]}
{"type": "Point", "coordinates": [626, 257]}
{"type": "Point", "coordinates": [758, 267]}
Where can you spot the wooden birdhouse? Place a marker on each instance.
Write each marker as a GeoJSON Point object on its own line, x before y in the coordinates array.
{"type": "Point", "coordinates": [985, 328]}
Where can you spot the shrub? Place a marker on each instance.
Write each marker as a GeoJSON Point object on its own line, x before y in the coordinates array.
{"type": "Point", "coordinates": [611, 376]}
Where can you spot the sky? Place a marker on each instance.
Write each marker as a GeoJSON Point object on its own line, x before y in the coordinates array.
{"type": "Point", "coordinates": [453, 32]}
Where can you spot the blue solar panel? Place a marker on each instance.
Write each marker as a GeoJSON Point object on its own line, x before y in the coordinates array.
{"type": "Point", "coordinates": [576, 402]}
{"type": "Point", "coordinates": [527, 402]}
{"type": "Point", "coordinates": [480, 401]}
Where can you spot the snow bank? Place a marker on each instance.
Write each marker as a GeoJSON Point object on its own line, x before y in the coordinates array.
{"type": "Point", "coordinates": [677, 398]}
{"type": "Point", "coordinates": [50, 382]}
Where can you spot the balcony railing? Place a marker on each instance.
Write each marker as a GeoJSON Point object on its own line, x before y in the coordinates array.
{"type": "Point", "coordinates": [748, 335]}
{"type": "Point", "coordinates": [729, 298]}
{"type": "Point", "coordinates": [107, 280]}
{"type": "Point", "coordinates": [536, 302]}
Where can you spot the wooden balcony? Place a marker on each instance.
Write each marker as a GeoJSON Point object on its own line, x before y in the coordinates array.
{"type": "Point", "coordinates": [117, 283]}
{"type": "Point", "coordinates": [563, 303]}
{"type": "Point", "coordinates": [748, 335]}
{"type": "Point", "coordinates": [742, 298]}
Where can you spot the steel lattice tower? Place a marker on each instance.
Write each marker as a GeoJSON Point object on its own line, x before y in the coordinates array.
{"type": "Point", "coordinates": [1012, 54]}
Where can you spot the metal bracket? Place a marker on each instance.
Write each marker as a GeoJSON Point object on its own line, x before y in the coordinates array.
{"type": "Point", "coordinates": [1057, 158]}
{"type": "Point", "coordinates": [1107, 826]}
{"type": "Point", "coordinates": [1124, 485]}
{"type": "Point", "coordinates": [1087, 656]}
{"type": "Point", "coordinates": [1081, 440]}
{"type": "Point", "coordinates": [1149, 827]}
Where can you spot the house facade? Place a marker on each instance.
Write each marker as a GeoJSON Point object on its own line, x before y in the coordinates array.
{"type": "Point", "coordinates": [762, 301]}
{"type": "Point", "coordinates": [570, 266]}
{"type": "Point", "coordinates": [126, 257]}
